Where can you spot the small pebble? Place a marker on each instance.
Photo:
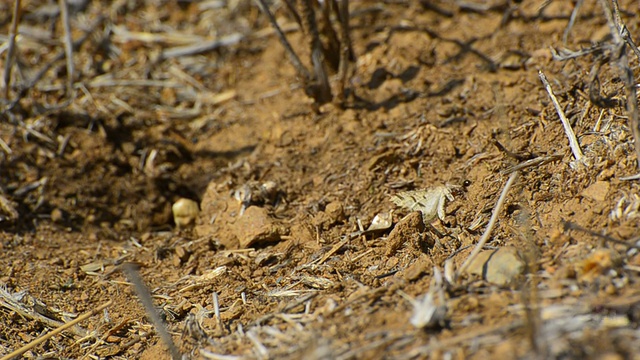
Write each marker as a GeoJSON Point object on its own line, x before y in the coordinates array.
{"type": "Point", "coordinates": [57, 215]}
{"type": "Point", "coordinates": [185, 212]}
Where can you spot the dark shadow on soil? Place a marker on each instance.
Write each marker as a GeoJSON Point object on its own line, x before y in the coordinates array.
{"type": "Point", "coordinates": [406, 96]}
{"type": "Point", "coordinates": [380, 75]}
{"type": "Point", "coordinates": [464, 46]}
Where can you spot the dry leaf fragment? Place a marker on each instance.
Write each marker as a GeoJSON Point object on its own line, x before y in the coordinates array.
{"type": "Point", "coordinates": [316, 282]}
{"type": "Point", "coordinates": [7, 210]}
{"type": "Point", "coordinates": [93, 267]}
{"type": "Point", "coordinates": [430, 202]}
{"type": "Point", "coordinates": [382, 221]}
{"type": "Point", "coordinates": [431, 309]}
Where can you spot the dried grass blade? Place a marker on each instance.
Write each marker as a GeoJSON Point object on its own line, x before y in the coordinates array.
{"type": "Point", "coordinates": [573, 141]}
{"type": "Point", "coordinates": [60, 329]}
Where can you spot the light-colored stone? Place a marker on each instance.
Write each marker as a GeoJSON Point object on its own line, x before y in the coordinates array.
{"type": "Point", "coordinates": [335, 211]}
{"type": "Point", "coordinates": [407, 229]}
{"type": "Point", "coordinates": [57, 216]}
{"type": "Point", "coordinates": [499, 267]}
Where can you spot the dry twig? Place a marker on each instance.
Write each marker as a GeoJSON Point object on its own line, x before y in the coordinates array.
{"type": "Point", "coordinates": [346, 50]}
{"type": "Point", "coordinates": [332, 251]}
{"type": "Point", "coordinates": [292, 9]}
{"type": "Point", "coordinates": [15, 19]}
{"type": "Point", "coordinates": [200, 48]}
{"type": "Point", "coordinates": [319, 89]}
{"type": "Point", "coordinates": [573, 226]}
{"type": "Point", "coordinates": [68, 44]}
{"type": "Point", "coordinates": [572, 20]}
{"type": "Point", "coordinates": [621, 60]}
{"type": "Point", "coordinates": [14, 303]}
{"type": "Point", "coordinates": [5, 147]}
{"type": "Point", "coordinates": [494, 217]}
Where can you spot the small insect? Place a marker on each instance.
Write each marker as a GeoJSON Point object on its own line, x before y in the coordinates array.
{"type": "Point", "coordinates": [430, 202]}
{"type": "Point", "coordinates": [254, 193]}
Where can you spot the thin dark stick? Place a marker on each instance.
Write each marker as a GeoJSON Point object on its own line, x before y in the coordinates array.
{"type": "Point", "coordinates": [15, 19]}
{"type": "Point", "coordinates": [320, 91]}
{"type": "Point", "coordinates": [572, 20]}
{"type": "Point", "coordinates": [627, 37]}
{"type": "Point", "coordinates": [345, 47]}
{"type": "Point", "coordinates": [566, 54]}
{"type": "Point", "coordinates": [295, 60]}
{"type": "Point", "coordinates": [624, 32]}
{"type": "Point", "coordinates": [573, 226]}
{"type": "Point", "coordinates": [332, 51]}
{"type": "Point", "coordinates": [293, 11]}
{"type": "Point", "coordinates": [68, 44]}
{"type": "Point", "coordinates": [131, 270]}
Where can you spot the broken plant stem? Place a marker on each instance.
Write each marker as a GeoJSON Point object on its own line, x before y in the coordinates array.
{"type": "Point", "coordinates": [68, 44]}
{"type": "Point", "coordinates": [5, 147]}
{"type": "Point", "coordinates": [573, 141]}
{"type": "Point", "coordinates": [345, 48]}
{"type": "Point", "coordinates": [621, 60]}
{"type": "Point", "coordinates": [572, 20]}
{"type": "Point", "coordinates": [573, 226]}
{"type": "Point", "coordinates": [319, 89]}
{"type": "Point", "coordinates": [624, 32]}
{"type": "Point", "coordinates": [216, 309]}
{"type": "Point", "coordinates": [492, 222]}
{"type": "Point", "coordinates": [630, 177]}
{"type": "Point", "coordinates": [15, 19]}
{"type": "Point", "coordinates": [292, 9]}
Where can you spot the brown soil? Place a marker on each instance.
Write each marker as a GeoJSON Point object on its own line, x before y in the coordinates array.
{"type": "Point", "coordinates": [440, 94]}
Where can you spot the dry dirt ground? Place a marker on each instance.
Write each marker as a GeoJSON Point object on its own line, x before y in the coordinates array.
{"type": "Point", "coordinates": [442, 93]}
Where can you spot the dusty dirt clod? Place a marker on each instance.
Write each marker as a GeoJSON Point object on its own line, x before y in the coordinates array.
{"type": "Point", "coordinates": [409, 230]}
